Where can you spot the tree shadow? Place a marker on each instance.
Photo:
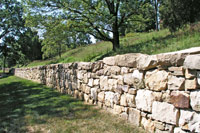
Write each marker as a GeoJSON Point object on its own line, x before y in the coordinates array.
{"type": "Point", "coordinates": [25, 103]}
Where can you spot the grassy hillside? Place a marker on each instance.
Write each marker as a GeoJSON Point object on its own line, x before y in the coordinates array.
{"type": "Point", "coordinates": [148, 43]}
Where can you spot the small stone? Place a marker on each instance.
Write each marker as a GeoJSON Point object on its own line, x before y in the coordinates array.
{"type": "Point", "coordinates": [130, 100]}
{"type": "Point", "coordinates": [96, 82]}
{"type": "Point", "coordinates": [180, 99]}
{"type": "Point", "coordinates": [125, 88]}
{"type": "Point", "coordinates": [195, 100]}
{"type": "Point", "coordinates": [115, 70]}
{"type": "Point", "coordinates": [148, 125]}
{"type": "Point", "coordinates": [85, 79]}
{"type": "Point", "coordinates": [117, 109]}
{"type": "Point", "coordinates": [159, 125]}
{"type": "Point", "coordinates": [99, 104]}
{"type": "Point", "coordinates": [94, 94]}
{"type": "Point", "coordinates": [134, 116]}
{"type": "Point", "coordinates": [124, 116]}
{"type": "Point", "coordinates": [177, 71]}
{"type": "Point", "coordinates": [123, 100]}
{"type": "Point", "coordinates": [128, 79]}
{"type": "Point", "coordinates": [175, 83]}
{"type": "Point", "coordinates": [86, 98]}
{"type": "Point", "coordinates": [109, 99]}
{"type": "Point", "coordinates": [127, 60]}
{"type": "Point", "coordinates": [87, 90]}
{"type": "Point", "coordinates": [191, 84]}
{"type": "Point", "coordinates": [116, 98]}
{"type": "Point", "coordinates": [91, 82]}
{"type": "Point", "coordinates": [124, 70]}
{"type": "Point", "coordinates": [120, 80]}
{"type": "Point", "coordinates": [132, 91]}
{"type": "Point", "coordinates": [178, 130]}
{"type": "Point", "coordinates": [189, 74]}
{"type": "Point", "coordinates": [198, 78]}
{"type": "Point", "coordinates": [166, 96]}
{"type": "Point", "coordinates": [165, 112]}
{"type": "Point", "coordinates": [103, 82]}
{"type": "Point", "coordinates": [101, 96]}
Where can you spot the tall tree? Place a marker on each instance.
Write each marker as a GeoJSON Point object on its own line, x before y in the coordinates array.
{"type": "Point", "coordinates": [95, 17]}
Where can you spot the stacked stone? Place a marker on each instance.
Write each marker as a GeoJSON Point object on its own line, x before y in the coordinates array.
{"type": "Point", "coordinates": [160, 93]}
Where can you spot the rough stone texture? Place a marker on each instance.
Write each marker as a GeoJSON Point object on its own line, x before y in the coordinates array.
{"type": "Point", "coordinates": [180, 99]}
{"type": "Point", "coordinates": [101, 96]}
{"type": "Point", "coordinates": [117, 109]}
{"type": "Point", "coordinates": [130, 100]}
{"type": "Point", "coordinates": [116, 98]}
{"type": "Point", "coordinates": [159, 125]}
{"type": "Point", "coordinates": [192, 62]}
{"type": "Point", "coordinates": [103, 82]}
{"type": "Point", "coordinates": [115, 70]}
{"type": "Point", "coordinates": [175, 83]}
{"type": "Point", "coordinates": [178, 71]}
{"type": "Point", "coordinates": [138, 79]}
{"type": "Point", "coordinates": [191, 84]}
{"type": "Point", "coordinates": [124, 70]}
{"type": "Point", "coordinates": [195, 100]}
{"type": "Point", "coordinates": [127, 60]}
{"type": "Point", "coordinates": [189, 121]}
{"type": "Point", "coordinates": [128, 79]}
{"type": "Point", "coordinates": [134, 116]}
{"type": "Point", "coordinates": [179, 130]}
{"type": "Point", "coordinates": [94, 94]}
{"type": "Point", "coordinates": [148, 125]}
{"type": "Point", "coordinates": [156, 80]}
{"type": "Point", "coordinates": [110, 61]}
{"type": "Point", "coordinates": [165, 112]}
{"type": "Point", "coordinates": [146, 62]}
{"type": "Point", "coordinates": [91, 82]}
{"type": "Point", "coordinates": [132, 91]}
{"type": "Point", "coordinates": [190, 73]}
{"type": "Point", "coordinates": [109, 99]}
{"type": "Point", "coordinates": [145, 98]}
{"type": "Point", "coordinates": [123, 100]}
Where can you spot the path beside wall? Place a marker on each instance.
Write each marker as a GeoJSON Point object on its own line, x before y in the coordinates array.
{"type": "Point", "coordinates": [160, 93]}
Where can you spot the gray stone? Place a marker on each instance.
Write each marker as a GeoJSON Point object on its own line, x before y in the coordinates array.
{"type": "Point", "coordinates": [134, 116]}
{"type": "Point", "coordinates": [165, 112]}
{"type": "Point", "coordinates": [195, 100]}
{"type": "Point", "coordinates": [175, 83]}
{"type": "Point", "coordinates": [109, 96]}
{"type": "Point", "coordinates": [192, 62]}
{"type": "Point", "coordinates": [110, 61]}
{"type": "Point", "coordinates": [146, 62]}
{"type": "Point", "coordinates": [116, 98]}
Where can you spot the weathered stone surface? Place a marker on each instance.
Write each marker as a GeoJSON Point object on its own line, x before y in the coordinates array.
{"type": "Point", "coordinates": [165, 112]}
{"type": "Point", "coordinates": [94, 94]}
{"type": "Point", "coordinates": [112, 84]}
{"type": "Point", "coordinates": [178, 71]}
{"type": "Point", "coordinates": [138, 79]}
{"type": "Point", "coordinates": [180, 99]}
{"type": "Point", "coordinates": [96, 66]}
{"type": "Point", "coordinates": [115, 70]}
{"type": "Point", "coordinates": [87, 89]}
{"type": "Point", "coordinates": [192, 62]}
{"type": "Point", "coordinates": [191, 84]}
{"type": "Point", "coordinates": [134, 116]}
{"type": "Point", "coordinates": [190, 73]}
{"type": "Point", "coordinates": [130, 100]}
{"type": "Point", "coordinates": [116, 98]}
{"type": "Point", "coordinates": [166, 96]}
{"type": "Point", "coordinates": [96, 82]}
{"type": "Point", "coordinates": [159, 125]}
{"type": "Point", "coordinates": [125, 88]}
{"type": "Point", "coordinates": [128, 79]}
{"type": "Point", "coordinates": [103, 82]}
{"type": "Point", "coordinates": [146, 62]}
{"type": "Point", "coordinates": [175, 83]}
{"type": "Point", "coordinates": [132, 91]}
{"type": "Point", "coordinates": [144, 99]}
{"type": "Point", "coordinates": [195, 100]}
{"type": "Point", "coordinates": [148, 125]}
{"type": "Point", "coordinates": [109, 99]}
{"type": "Point", "coordinates": [124, 70]}
{"type": "Point", "coordinates": [86, 98]}
{"type": "Point", "coordinates": [80, 75]}
{"type": "Point", "coordinates": [124, 116]}
{"type": "Point", "coordinates": [156, 80]}
{"type": "Point", "coordinates": [160, 131]}
{"type": "Point", "coordinates": [123, 100]}
{"type": "Point", "coordinates": [85, 78]}
{"type": "Point", "coordinates": [110, 61]}
{"type": "Point", "coordinates": [189, 121]}
{"type": "Point", "coordinates": [178, 130]}
{"type": "Point", "coordinates": [85, 65]}
{"type": "Point", "coordinates": [117, 109]}
{"type": "Point", "coordinates": [127, 60]}
{"type": "Point", "coordinates": [91, 82]}
{"type": "Point", "coordinates": [101, 96]}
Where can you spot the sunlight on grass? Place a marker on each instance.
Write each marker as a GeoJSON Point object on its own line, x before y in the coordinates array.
{"type": "Point", "coordinates": [30, 107]}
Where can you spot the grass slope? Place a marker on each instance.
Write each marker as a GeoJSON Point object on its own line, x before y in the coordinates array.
{"type": "Point", "coordinates": [30, 107]}
{"type": "Point", "coordinates": [148, 43]}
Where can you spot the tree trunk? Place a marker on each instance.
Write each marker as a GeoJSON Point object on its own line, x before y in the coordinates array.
{"type": "Point", "coordinates": [115, 40]}
{"type": "Point", "coordinates": [4, 64]}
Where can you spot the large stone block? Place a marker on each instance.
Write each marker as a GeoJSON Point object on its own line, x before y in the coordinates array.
{"type": "Point", "coordinates": [146, 62]}
{"type": "Point", "coordinates": [134, 116]}
{"type": "Point", "coordinates": [110, 61]}
{"type": "Point", "coordinates": [189, 121]}
{"type": "Point", "coordinates": [195, 100]}
{"type": "Point", "coordinates": [165, 112]}
{"type": "Point", "coordinates": [175, 83]}
{"type": "Point", "coordinates": [191, 84]}
{"type": "Point", "coordinates": [192, 62]}
{"type": "Point", "coordinates": [156, 80]}
{"type": "Point", "coordinates": [103, 82]}
{"type": "Point", "coordinates": [180, 99]}
{"type": "Point", "coordinates": [127, 60]}
{"type": "Point", "coordinates": [178, 71]}
{"type": "Point", "coordinates": [109, 96]}
{"type": "Point", "coordinates": [85, 65]}
{"type": "Point", "coordinates": [145, 98]}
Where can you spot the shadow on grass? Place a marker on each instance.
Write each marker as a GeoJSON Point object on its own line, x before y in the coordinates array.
{"type": "Point", "coordinates": [25, 103]}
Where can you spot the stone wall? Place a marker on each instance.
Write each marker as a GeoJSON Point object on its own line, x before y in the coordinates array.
{"type": "Point", "coordinates": [160, 93]}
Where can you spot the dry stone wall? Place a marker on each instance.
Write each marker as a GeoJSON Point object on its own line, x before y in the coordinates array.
{"type": "Point", "coordinates": [160, 93]}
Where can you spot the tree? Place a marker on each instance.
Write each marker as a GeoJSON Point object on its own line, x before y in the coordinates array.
{"type": "Point", "coordinates": [11, 25]}
{"type": "Point", "coordinates": [95, 17]}
{"type": "Point", "coordinates": [176, 13]}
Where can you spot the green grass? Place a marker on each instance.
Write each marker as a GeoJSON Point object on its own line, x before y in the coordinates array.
{"type": "Point", "coordinates": [147, 43]}
{"type": "Point", "coordinates": [30, 107]}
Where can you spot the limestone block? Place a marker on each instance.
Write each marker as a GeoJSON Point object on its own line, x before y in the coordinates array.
{"type": "Point", "coordinates": [115, 70]}
{"type": "Point", "coordinates": [134, 116]}
{"type": "Point", "coordinates": [110, 61]}
{"type": "Point", "coordinates": [130, 100]}
{"type": "Point", "coordinates": [125, 88]}
{"type": "Point", "coordinates": [96, 82]}
{"type": "Point", "coordinates": [120, 80]}
{"type": "Point", "coordinates": [116, 98]}
{"type": "Point", "coordinates": [145, 98]}
{"type": "Point", "coordinates": [124, 116]}
{"type": "Point", "coordinates": [192, 62]}
{"type": "Point", "coordinates": [138, 79]}
{"type": "Point", "coordinates": [127, 60]}
{"type": "Point", "coordinates": [159, 125]}
{"type": "Point", "coordinates": [180, 99]}
{"type": "Point", "coordinates": [177, 71]}
{"type": "Point", "coordinates": [112, 83]}
{"type": "Point", "coordinates": [80, 75]}
{"type": "Point", "coordinates": [128, 79]}
{"type": "Point", "coordinates": [132, 91]}
{"type": "Point", "coordinates": [101, 96]}
{"type": "Point", "coordinates": [148, 125]}
{"type": "Point", "coordinates": [178, 130]}
{"type": "Point", "coordinates": [87, 89]}
{"type": "Point", "coordinates": [123, 100]}
{"type": "Point", "coordinates": [189, 121]}
{"type": "Point", "coordinates": [118, 89]}
{"type": "Point", "coordinates": [117, 109]}
{"type": "Point", "coordinates": [156, 80]}
{"type": "Point", "coordinates": [175, 83]}
{"type": "Point", "coordinates": [94, 94]}
{"type": "Point", "coordinates": [146, 62]}
{"type": "Point", "coordinates": [97, 65]}
{"type": "Point", "coordinates": [189, 74]}
{"type": "Point", "coordinates": [86, 98]}
{"type": "Point", "coordinates": [124, 70]}
{"type": "Point", "coordinates": [85, 65]}
{"type": "Point", "coordinates": [195, 100]}
{"type": "Point", "coordinates": [109, 99]}
{"type": "Point", "coordinates": [191, 84]}
{"type": "Point", "coordinates": [91, 82]}
{"type": "Point", "coordinates": [103, 82]}
{"type": "Point", "coordinates": [166, 96]}
{"type": "Point", "coordinates": [85, 78]}
{"type": "Point", "coordinates": [165, 112]}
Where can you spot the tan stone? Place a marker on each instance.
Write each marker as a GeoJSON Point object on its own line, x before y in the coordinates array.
{"type": "Point", "coordinates": [138, 79]}
{"type": "Point", "coordinates": [198, 78]}
{"type": "Point", "coordinates": [191, 84]}
{"type": "Point", "coordinates": [179, 130]}
{"type": "Point", "coordinates": [101, 96]}
{"type": "Point", "coordinates": [146, 62]}
{"type": "Point", "coordinates": [130, 100]}
{"type": "Point", "coordinates": [128, 79]}
{"type": "Point", "coordinates": [124, 116]}
{"type": "Point", "coordinates": [180, 99]}
{"type": "Point", "coordinates": [116, 98]}
{"type": "Point", "coordinates": [91, 82]}
{"type": "Point", "coordinates": [159, 125]}
{"type": "Point", "coordinates": [109, 99]}
{"type": "Point", "coordinates": [127, 60]}
{"type": "Point", "coordinates": [85, 78]}
{"type": "Point", "coordinates": [132, 91]}
{"type": "Point", "coordinates": [87, 90]}
{"type": "Point", "coordinates": [177, 71]}
{"type": "Point", "coordinates": [123, 100]}
{"type": "Point", "coordinates": [189, 74]}
{"type": "Point", "coordinates": [165, 112]}
{"type": "Point", "coordinates": [166, 96]}
{"type": "Point", "coordinates": [156, 80]}
{"type": "Point", "coordinates": [124, 70]}
{"type": "Point", "coordinates": [94, 94]}
{"type": "Point", "coordinates": [115, 70]}
{"type": "Point", "coordinates": [175, 83]}
{"type": "Point", "coordinates": [86, 98]}
{"type": "Point", "coordinates": [96, 82]}
{"type": "Point", "coordinates": [134, 116]}
{"type": "Point", "coordinates": [120, 80]}
{"type": "Point", "coordinates": [117, 109]}
{"type": "Point", "coordinates": [103, 82]}
{"type": "Point", "coordinates": [85, 65]}
{"type": "Point", "coordinates": [110, 61]}
{"type": "Point", "coordinates": [195, 100]}
{"type": "Point", "coordinates": [125, 88]}
{"type": "Point", "coordinates": [148, 125]}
